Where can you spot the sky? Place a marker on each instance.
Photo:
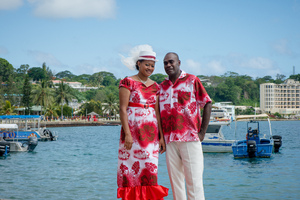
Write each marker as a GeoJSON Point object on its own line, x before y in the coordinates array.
{"type": "Point", "coordinates": [250, 37]}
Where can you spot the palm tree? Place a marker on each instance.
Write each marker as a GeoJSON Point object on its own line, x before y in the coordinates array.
{"type": "Point", "coordinates": [51, 111]}
{"type": "Point", "coordinates": [111, 104]}
{"type": "Point", "coordinates": [43, 95]}
{"type": "Point", "coordinates": [7, 109]}
{"type": "Point", "coordinates": [63, 94]}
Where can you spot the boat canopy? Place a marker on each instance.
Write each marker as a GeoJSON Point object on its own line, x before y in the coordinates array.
{"type": "Point", "coordinates": [20, 116]}
{"type": "Point", "coordinates": [6, 126]}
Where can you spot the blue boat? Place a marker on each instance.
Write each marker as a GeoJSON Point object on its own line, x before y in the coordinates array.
{"type": "Point", "coordinates": [254, 145]}
{"type": "Point", "coordinates": [28, 126]}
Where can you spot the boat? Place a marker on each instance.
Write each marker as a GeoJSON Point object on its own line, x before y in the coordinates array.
{"type": "Point", "coordinates": [214, 140]}
{"type": "Point", "coordinates": [4, 149]}
{"type": "Point", "coordinates": [15, 145]}
{"type": "Point", "coordinates": [228, 106]}
{"type": "Point", "coordinates": [28, 126]}
{"type": "Point", "coordinates": [254, 146]}
{"type": "Point", "coordinates": [218, 114]}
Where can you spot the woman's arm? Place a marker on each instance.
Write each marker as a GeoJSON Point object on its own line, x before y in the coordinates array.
{"type": "Point", "coordinates": [162, 144]}
{"type": "Point", "coordinates": [124, 95]}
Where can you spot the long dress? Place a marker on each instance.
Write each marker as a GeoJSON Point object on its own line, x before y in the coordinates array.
{"type": "Point", "coordinates": [137, 168]}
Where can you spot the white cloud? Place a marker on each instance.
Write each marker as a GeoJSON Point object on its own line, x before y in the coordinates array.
{"type": "Point", "coordinates": [10, 4]}
{"type": "Point", "coordinates": [258, 63]}
{"type": "Point", "coordinates": [100, 9]}
{"type": "Point", "coordinates": [213, 67]}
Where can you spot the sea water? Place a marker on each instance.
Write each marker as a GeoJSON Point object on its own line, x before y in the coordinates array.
{"type": "Point", "coordinates": [82, 164]}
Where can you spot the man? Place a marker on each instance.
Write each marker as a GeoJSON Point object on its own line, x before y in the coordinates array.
{"type": "Point", "coordinates": [181, 96]}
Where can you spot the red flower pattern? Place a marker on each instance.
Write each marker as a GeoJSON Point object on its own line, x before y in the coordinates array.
{"type": "Point", "coordinates": [133, 170]}
{"type": "Point", "coordinates": [180, 115]}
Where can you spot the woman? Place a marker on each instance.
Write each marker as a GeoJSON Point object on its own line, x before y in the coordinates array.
{"type": "Point", "coordinates": [140, 137]}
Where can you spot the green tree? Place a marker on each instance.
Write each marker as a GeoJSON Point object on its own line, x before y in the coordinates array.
{"type": "Point", "coordinates": [63, 94]}
{"type": "Point", "coordinates": [26, 99]}
{"type": "Point", "coordinates": [111, 104]}
{"type": "Point", "coordinates": [158, 78]}
{"type": "Point", "coordinates": [295, 77]}
{"type": "Point", "coordinates": [7, 108]}
{"type": "Point", "coordinates": [43, 95]}
{"type": "Point", "coordinates": [65, 74]}
{"type": "Point", "coordinates": [6, 69]}
{"type": "Point", "coordinates": [36, 73]}
{"type": "Point", "coordinates": [51, 111]}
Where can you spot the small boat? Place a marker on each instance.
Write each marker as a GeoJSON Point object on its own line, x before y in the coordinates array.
{"type": "Point", "coordinates": [214, 140]}
{"type": "Point", "coordinates": [254, 145]}
{"type": "Point", "coordinates": [28, 126]}
{"type": "Point", "coordinates": [15, 145]}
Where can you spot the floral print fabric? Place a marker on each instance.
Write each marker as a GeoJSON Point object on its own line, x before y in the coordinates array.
{"type": "Point", "coordinates": [138, 166]}
{"type": "Point", "coordinates": [180, 108]}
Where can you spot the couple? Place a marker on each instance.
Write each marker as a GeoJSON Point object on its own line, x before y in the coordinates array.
{"type": "Point", "coordinates": [157, 119]}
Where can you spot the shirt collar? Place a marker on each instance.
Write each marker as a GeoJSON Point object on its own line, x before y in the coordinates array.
{"type": "Point", "coordinates": [182, 75]}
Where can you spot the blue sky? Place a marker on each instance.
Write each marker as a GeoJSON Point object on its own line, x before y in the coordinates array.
{"type": "Point", "coordinates": [250, 37]}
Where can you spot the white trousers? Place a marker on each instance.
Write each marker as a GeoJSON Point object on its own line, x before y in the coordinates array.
{"type": "Point", "coordinates": [185, 164]}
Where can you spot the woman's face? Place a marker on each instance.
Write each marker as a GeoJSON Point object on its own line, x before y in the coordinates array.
{"type": "Point", "coordinates": [146, 67]}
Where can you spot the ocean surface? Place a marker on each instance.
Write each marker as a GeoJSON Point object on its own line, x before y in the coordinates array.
{"type": "Point", "coordinates": [82, 164]}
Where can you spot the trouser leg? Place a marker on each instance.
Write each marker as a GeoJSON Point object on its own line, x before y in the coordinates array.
{"type": "Point", "coordinates": [175, 170]}
{"type": "Point", "coordinates": [192, 159]}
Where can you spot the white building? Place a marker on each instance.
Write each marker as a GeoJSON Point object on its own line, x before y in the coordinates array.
{"type": "Point", "coordinates": [282, 98]}
{"type": "Point", "coordinates": [76, 85]}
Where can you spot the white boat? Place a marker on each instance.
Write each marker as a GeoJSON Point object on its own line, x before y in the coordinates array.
{"type": "Point", "coordinates": [214, 140]}
{"type": "Point", "coordinates": [228, 106]}
{"type": "Point", "coordinates": [15, 145]}
{"type": "Point", "coordinates": [28, 125]}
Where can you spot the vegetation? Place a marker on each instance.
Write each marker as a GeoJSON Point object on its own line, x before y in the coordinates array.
{"type": "Point", "coordinates": [27, 86]}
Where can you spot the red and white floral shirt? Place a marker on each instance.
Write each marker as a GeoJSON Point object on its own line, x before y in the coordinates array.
{"type": "Point", "coordinates": [180, 108]}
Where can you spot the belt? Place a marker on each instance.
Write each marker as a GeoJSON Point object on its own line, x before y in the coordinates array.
{"type": "Point", "coordinates": [141, 105]}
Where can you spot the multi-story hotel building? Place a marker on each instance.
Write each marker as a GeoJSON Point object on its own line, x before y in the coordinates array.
{"type": "Point", "coordinates": [282, 98]}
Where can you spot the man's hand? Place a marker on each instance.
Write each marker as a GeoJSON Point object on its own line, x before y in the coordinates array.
{"type": "Point", "coordinates": [201, 136]}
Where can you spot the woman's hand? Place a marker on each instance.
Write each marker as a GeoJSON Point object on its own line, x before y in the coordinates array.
{"type": "Point", "coordinates": [128, 142]}
{"type": "Point", "coordinates": [162, 145]}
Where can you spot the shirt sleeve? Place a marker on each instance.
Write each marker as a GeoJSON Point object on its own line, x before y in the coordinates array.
{"type": "Point", "coordinates": [127, 83]}
{"type": "Point", "coordinates": [202, 97]}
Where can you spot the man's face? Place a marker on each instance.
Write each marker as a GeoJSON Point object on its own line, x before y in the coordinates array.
{"type": "Point", "coordinates": [172, 65]}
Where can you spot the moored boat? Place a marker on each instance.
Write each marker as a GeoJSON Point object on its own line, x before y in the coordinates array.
{"type": "Point", "coordinates": [15, 145]}
{"type": "Point", "coordinates": [28, 126]}
{"type": "Point", "coordinates": [214, 140]}
{"type": "Point", "coordinates": [254, 145]}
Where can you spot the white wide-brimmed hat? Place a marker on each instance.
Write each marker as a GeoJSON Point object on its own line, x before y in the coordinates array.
{"type": "Point", "coordinates": [147, 55]}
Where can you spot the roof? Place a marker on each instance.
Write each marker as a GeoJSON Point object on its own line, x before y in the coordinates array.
{"type": "Point", "coordinates": [6, 126]}
{"type": "Point", "coordinates": [92, 113]}
{"type": "Point", "coordinates": [19, 116]}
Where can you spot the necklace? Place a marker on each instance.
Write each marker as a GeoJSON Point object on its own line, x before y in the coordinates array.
{"type": "Point", "coordinates": [144, 82]}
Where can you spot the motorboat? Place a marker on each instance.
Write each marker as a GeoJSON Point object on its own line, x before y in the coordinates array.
{"type": "Point", "coordinates": [14, 145]}
{"type": "Point", "coordinates": [254, 145]}
{"type": "Point", "coordinates": [28, 126]}
{"type": "Point", "coordinates": [214, 140]}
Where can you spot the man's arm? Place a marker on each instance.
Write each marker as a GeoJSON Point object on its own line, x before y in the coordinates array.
{"type": "Point", "coordinates": [205, 120]}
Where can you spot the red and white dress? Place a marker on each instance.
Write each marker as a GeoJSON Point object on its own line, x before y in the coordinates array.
{"type": "Point", "coordinates": [137, 168]}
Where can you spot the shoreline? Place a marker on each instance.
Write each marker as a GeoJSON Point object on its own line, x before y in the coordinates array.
{"type": "Point", "coordinates": [111, 123]}
{"type": "Point", "coordinates": [79, 123]}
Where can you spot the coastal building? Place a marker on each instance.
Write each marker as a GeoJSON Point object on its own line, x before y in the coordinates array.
{"type": "Point", "coordinates": [76, 85]}
{"type": "Point", "coordinates": [282, 98]}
